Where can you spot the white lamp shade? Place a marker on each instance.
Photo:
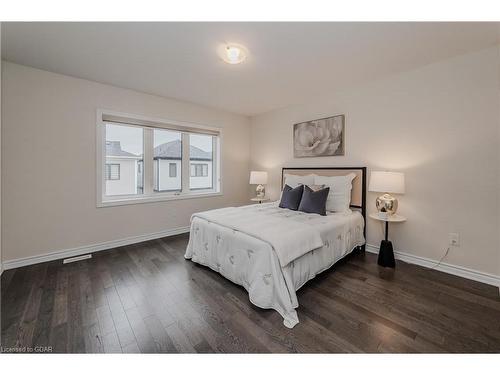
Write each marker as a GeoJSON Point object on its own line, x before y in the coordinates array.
{"type": "Point", "coordinates": [387, 182]}
{"type": "Point", "coordinates": [258, 178]}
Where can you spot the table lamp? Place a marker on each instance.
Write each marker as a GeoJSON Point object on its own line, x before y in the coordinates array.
{"type": "Point", "coordinates": [387, 182]}
{"type": "Point", "coordinates": [259, 178]}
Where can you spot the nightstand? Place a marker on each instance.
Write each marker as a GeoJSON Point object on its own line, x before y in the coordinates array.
{"type": "Point", "coordinates": [386, 252]}
{"type": "Point", "coordinates": [260, 200]}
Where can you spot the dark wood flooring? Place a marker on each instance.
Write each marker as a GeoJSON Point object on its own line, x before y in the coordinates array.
{"type": "Point", "coordinates": [147, 298]}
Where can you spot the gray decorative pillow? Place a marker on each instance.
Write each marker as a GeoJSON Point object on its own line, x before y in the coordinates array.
{"type": "Point", "coordinates": [290, 198]}
{"type": "Point", "coordinates": [314, 202]}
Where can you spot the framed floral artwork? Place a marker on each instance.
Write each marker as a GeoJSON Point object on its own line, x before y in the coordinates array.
{"type": "Point", "coordinates": [322, 137]}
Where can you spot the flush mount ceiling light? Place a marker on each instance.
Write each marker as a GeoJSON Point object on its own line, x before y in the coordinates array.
{"type": "Point", "coordinates": [233, 53]}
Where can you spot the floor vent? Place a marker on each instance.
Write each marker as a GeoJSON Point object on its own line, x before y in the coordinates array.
{"type": "Point", "coordinates": [76, 259]}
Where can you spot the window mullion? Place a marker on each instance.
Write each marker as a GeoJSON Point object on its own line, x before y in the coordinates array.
{"type": "Point", "coordinates": [185, 164]}
{"type": "Point", "coordinates": [148, 161]}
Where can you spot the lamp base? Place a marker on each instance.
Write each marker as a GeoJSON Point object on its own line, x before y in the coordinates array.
{"type": "Point", "coordinates": [386, 255]}
{"type": "Point", "coordinates": [387, 204]}
{"type": "Point", "coordinates": [260, 191]}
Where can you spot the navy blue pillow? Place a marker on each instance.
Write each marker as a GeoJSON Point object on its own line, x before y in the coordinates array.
{"type": "Point", "coordinates": [314, 202]}
{"type": "Point", "coordinates": [291, 197]}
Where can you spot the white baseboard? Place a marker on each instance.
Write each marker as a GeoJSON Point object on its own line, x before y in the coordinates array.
{"type": "Point", "coordinates": [464, 272]}
{"type": "Point", "coordinates": [67, 253]}
{"type": "Point", "coordinates": [405, 257]}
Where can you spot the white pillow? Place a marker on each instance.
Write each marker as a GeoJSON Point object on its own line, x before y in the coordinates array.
{"type": "Point", "coordinates": [339, 198]}
{"type": "Point", "coordinates": [293, 180]}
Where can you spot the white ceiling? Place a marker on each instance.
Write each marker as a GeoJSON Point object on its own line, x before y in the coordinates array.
{"type": "Point", "coordinates": [288, 63]}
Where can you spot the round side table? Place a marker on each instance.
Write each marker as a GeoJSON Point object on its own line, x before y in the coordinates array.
{"type": "Point", "coordinates": [386, 252]}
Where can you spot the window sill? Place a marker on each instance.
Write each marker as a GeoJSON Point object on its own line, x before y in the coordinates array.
{"type": "Point", "coordinates": [111, 202]}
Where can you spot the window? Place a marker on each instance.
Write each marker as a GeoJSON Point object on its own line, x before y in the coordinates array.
{"type": "Point", "coordinates": [199, 170]}
{"type": "Point", "coordinates": [124, 155]}
{"type": "Point", "coordinates": [112, 172]}
{"type": "Point", "coordinates": [143, 160]}
{"type": "Point", "coordinates": [172, 170]}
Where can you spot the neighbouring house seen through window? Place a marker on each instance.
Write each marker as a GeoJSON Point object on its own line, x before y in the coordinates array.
{"type": "Point", "coordinates": [167, 155]}
{"type": "Point", "coordinates": [124, 154]}
{"type": "Point", "coordinates": [201, 160]}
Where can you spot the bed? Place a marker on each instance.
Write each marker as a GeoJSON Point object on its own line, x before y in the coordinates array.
{"type": "Point", "coordinates": [271, 251]}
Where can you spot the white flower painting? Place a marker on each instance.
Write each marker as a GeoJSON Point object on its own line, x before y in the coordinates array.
{"type": "Point", "coordinates": [323, 137]}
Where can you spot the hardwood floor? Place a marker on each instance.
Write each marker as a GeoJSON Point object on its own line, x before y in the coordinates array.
{"type": "Point", "coordinates": [147, 298]}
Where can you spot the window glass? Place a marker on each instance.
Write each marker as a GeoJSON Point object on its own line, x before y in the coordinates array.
{"type": "Point", "coordinates": [167, 159]}
{"type": "Point", "coordinates": [126, 175]}
{"type": "Point", "coordinates": [124, 155]}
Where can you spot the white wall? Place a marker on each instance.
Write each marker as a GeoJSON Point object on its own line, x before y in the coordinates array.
{"type": "Point", "coordinates": [498, 165]}
{"type": "Point", "coordinates": [52, 118]}
{"type": "Point", "coordinates": [1, 227]}
{"type": "Point", "coordinates": [439, 125]}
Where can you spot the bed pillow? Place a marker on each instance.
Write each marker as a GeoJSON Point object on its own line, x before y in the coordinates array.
{"type": "Point", "coordinates": [316, 187]}
{"type": "Point", "coordinates": [314, 202]}
{"type": "Point", "coordinates": [290, 198]}
{"type": "Point", "coordinates": [339, 198]}
{"type": "Point", "coordinates": [293, 180]}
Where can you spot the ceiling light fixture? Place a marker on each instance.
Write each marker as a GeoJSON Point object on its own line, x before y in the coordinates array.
{"type": "Point", "coordinates": [233, 53]}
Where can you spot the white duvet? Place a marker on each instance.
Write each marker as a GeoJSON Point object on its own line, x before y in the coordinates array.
{"type": "Point", "coordinates": [272, 251]}
{"type": "Point", "coordinates": [289, 234]}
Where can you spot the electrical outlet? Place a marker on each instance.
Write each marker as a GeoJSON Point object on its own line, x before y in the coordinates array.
{"type": "Point", "coordinates": [454, 239]}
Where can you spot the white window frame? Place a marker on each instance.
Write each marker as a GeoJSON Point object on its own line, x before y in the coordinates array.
{"type": "Point", "coordinates": [149, 195]}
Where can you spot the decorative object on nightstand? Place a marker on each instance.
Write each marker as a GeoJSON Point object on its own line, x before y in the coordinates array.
{"type": "Point", "coordinates": [259, 178]}
{"type": "Point", "coordinates": [387, 182]}
{"type": "Point", "coordinates": [386, 252]}
{"type": "Point", "coordinates": [260, 200]}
